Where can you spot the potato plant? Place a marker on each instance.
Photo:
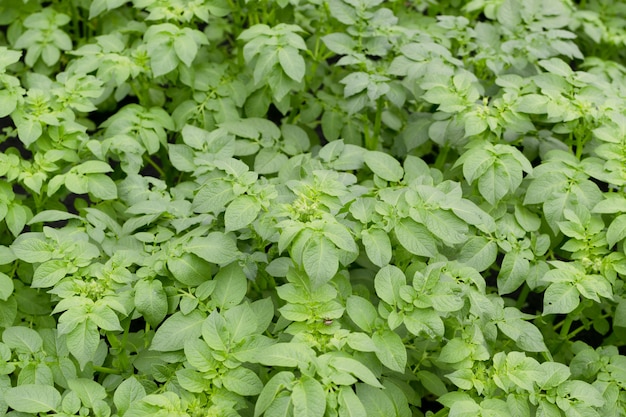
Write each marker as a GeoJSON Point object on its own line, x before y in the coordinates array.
{"type": "Point", "coordinates": [313, 208]}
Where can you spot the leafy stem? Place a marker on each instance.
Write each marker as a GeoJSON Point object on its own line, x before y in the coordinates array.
{"type": "Point", "coordinates": [579, 329]}
{"type": "Point", "coordinates": [566, 324]}
{"type": "Point", "coordinates": [521, 299]}
{"type": "Point", "coordinates": [378, 120]}
{"type": "Point", "coordinates": [106, 370]}
{"type": "Point", "coordinates": [154, 165]}
{"type": "Point", "coordinates": [442, 156]}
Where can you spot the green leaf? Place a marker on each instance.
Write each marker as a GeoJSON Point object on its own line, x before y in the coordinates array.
{"type": "Point", "coordinates": [241, 322]}
{"type": "Point", "coordinates": [163, 59]}
{"type": "Point", "coordinates": [548, 409]}
{"type": "Point", "coordinates": [6, 286]}
{"type": "Point", "coordinates": [332, 123]}
{"type": "Point", "coordinates": [527, 219]}
{"type": "Point", "coordinates": [308, 398]}
{"type": "Point", "coordinates": [375, 401]}
{"type": "Point", "coordinates": [513, 272]}
{"type": "Point", "coordinates": [288, 355]}
{"type": "Point", "coordinates": [71, 403]}
{"type": "Point", "coordinates": [296, 140]}
{"type": "Point", "coordinates": [77, 183]}
{"type": "Point", "coordinates": [476, 161]}
{"type": "Point", "coordinates": [242, 381]}
{"type": "Point", "coordinates": [199, 355]}
{"type": "Point", "coordinates": [269, 161]}
{"type": "Point", "coordinates": [398, 397]}
{"type": "Point", "coordinates": [415, 238]}
{"type": "Point", "coordinates": [384, 165]}
{"type": "Point", "coordinates": [456, 350]}
{"type": "Point", "coordinates": [616, 231]}
{"type": "Point", "coordinates": [88, 391]}
{"type": "Point", "coordinates": [181, 156]}
{"type": "Point", "coordinates": [271, 389]}
{"type": "Point", "coordinates": [93, 167]}
{"type": "Point", "coordinates": [474, 125]}
{"type": "Point", "coordinates": [339, 43]}
{"type": "Point", "coordinates": [355, 82]}
{"type": "Point", "coordinates": [83, 341]}
{"type": "Point", "coordinates": [387, 282]}
{"type": "Point", "coordinates": [472, 214]}
{"type": "Point", "coordinates": [31, 247]}
{"type": "Point", "coordinates": [8, 311]}
{"type": "Point", "coordinates": [291, 62]}
{"type": "Point", "coordinates": [176, 329]}
{"type": "Point", "coordinates": [362, 312]}
{"type": "Point", "coordinates": [526, 335]}
{"type": "Point", "coordinates": [280, 407]}
{"type": "Point", "coordinates": [49, 273]}
{"type": "Point", "coordinates": [186, 49]}
{"type": "Point", "coordinates": [560, 298]}
{"type": "Point", "coordinates": [445, 225]}
{"type": "Point", "coordinates": [494, 183]}
{"type": "Point", "coordinates": [424, 321]}
{"type": "Point", "coordinates": [581, 391]}
{"type": "Point", "coordinates": [532, 104]}
{"type": "Point", "coordinates": [101, 186]}
{"type": "Point", "coordinates": [29, 130]}
{"type": "Point", "coordinates": [128, 392]}
{"type": "Point", "coordinates": [390, 350]}
{"type": "Point", "coordinates": [360, 342]}
{"type": "Point", "coordinates": [22, 339]}
{"type": "Point", "coordinates": [8, 102]}
{"type": "Point", "coordinates": [241, 212]}
{"type": "Point", "coordinates": [612, 203]}
{"type": "Point", "coordinates": [16, 218]}
{"type": "Point", "coordinates": [213, 196]}
{"type": "Point", "coordinates": [356, 368]}
{"type": "Point", "coordinates": [189, 269]}
{"type": "Point", "coordinates": [340, 236]}
{"type": "Point", "coordinates": [555, 373]}
{"type": "Point", "coordinates": [231, 286]}
{"type": "Point", "coordinates": [30, 398]}
{"type": "Point", "coordinates": [151, 301]}
{"type": "Point", "coordinates": [320, 260]}
{"type": "Point", "coordinates": [479, 253]}
{"type": "Point", "coordinates": [51, 216]}
{"type": "Point", "coordinates": [215, 332]}
{"type": "Point", "coordinates": [377, 246]}
{"type": "Point", "coordinates": [432, 383]}
{"type": "Point", "coordinates": [216, 248]}
{"type": "Point", "coordinates": [192, 381]}
{"type": "Point", "coordinates": [104, 317]}
{"type": "Point", "coordinates": [349, 404]}
{"type": "Point", "coordinates": [263, 311]}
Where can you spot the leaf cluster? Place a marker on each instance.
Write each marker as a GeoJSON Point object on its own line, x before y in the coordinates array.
{"type": "Point", "coordinates": [320, 208]}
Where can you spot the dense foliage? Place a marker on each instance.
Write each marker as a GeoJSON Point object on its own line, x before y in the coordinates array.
{"type": "Point", "coordinates": [313, 208]}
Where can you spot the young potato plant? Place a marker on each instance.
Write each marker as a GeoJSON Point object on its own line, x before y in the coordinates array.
{"type": "Point", "coordinates": [313, 208]}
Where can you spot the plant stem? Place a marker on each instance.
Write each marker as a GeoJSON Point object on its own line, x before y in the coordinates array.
{"type": "Point", "coordinates": [521, 300]}
{"type": "Point", "coordinates": [441, 157]}
{"type": "Point", "coordinates": [378, 120]}
{"type": "Point", "coordinates": [579, 147]}
{"type": "Point", "coordinates": [442, 413]}
{"type": "Point", "coordinates": [75, 21]}
{"type": "Point", "coordinates": [566, 324]}
{"type": "Point", "coordinates": [581, 328]}
{"type": "Point", "coordinates": [106, 370]}
{"type": "Point", "coordinates": [368, 139]}
{"type": "Point", "coordinates": [155, 166]}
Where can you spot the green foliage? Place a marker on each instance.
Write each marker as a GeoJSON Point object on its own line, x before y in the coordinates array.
{"type": "Point", "coordinates": [323, 208]}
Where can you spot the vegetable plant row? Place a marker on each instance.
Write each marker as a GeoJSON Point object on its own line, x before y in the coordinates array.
{"type": "Point", "coordinates": [322, 208]}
